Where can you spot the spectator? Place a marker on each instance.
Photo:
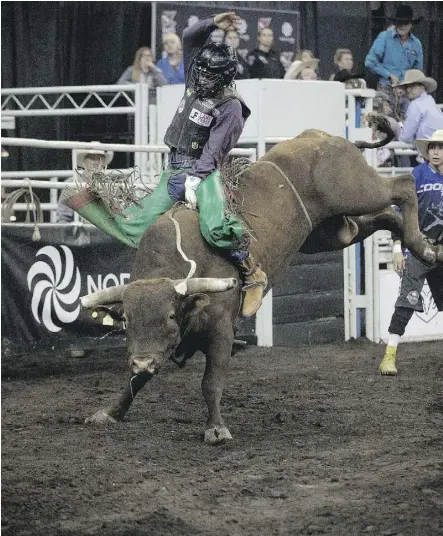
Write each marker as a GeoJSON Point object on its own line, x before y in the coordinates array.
{"type": "Point", "coordinates": [172, 64]}
{"type": "Point", "coordinates": [232, 39]}
{"type": "Point", "coordinates": [303, 70]}
{"type": "Point", "coordinates": [143, 70]}
{"type": "Point", "coordinates": [91, 161]}
{"type": "Point", "coordinates": [263, 61]}
{"type": "Point", "coordinates": [429, 183]}
{"type": "Point", "coordinates": [423, 117]}
{"type": "Point", "coordinates": [304, 55]}
{"type": "Point", "coordinates": [393, 53]}
{"type": "Point", "coordinates": [343, 60]}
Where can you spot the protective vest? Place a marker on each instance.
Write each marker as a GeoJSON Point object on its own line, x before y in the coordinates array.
{"type": "Point", "coordinates": [190, 128]}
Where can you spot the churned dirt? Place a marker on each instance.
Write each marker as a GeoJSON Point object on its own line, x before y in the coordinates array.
{"type": "Point", "coordinates": [322, 445]}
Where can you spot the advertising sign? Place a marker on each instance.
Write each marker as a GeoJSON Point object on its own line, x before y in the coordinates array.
{"type": "Point", "coordinates": [175, 17]}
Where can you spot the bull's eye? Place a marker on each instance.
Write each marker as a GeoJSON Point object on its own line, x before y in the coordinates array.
{"type": "Point", "coordinates": [171, 316]}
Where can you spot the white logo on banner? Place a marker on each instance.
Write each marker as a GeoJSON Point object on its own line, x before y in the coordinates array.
{"type": "Point", "coordinates": [60, 287]}
{"type": "Point", "coordinates": [287, 29]}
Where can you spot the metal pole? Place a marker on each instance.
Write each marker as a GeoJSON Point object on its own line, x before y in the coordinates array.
{"type": "Point", "coordinates": [117, 147]}
{"type": "Point", "coordinates": [53, 199]}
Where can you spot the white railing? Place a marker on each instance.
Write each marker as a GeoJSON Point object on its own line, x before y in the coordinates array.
{"type": "Point", "coordinates": [37, 101]}
{"type": "Point", "coordinates": [23, 179]}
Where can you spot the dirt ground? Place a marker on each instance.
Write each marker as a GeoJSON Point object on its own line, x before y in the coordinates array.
{"type": "Point", "coordinates": [322, 445]}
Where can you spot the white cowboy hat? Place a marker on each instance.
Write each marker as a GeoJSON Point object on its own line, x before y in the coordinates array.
{"type": "Point", "coordinates": [422, 145]}
{"type": "Point", "coordinates": [415, 76]}
{"type": "Point", "coordinates": [81, 153]}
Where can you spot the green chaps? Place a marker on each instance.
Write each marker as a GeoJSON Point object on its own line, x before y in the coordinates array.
{"type": "Point", "coordinates": [219, 228]}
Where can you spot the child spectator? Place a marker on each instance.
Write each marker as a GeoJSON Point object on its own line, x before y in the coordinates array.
{"type": "Point", "coordinates": [303, 70]}
{"type": "Point", "coordinates": [263, 61]}
{"type": "Point", "coordinates": [172, 63]}
{"type": "Point", "coordinates": [143, 70]}
{"type": "Point", "coordinates": [232, 39]}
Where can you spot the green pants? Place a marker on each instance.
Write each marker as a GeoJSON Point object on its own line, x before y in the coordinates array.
{"type": "Point", "coordinates": [219, 229]}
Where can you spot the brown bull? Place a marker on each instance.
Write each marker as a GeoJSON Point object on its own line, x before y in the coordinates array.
{"type": "Point", "coordinates": [310, 193]}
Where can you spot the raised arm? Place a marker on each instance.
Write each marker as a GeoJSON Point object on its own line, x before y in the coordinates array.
{"type": "Point", "coordinates": [195, 37]}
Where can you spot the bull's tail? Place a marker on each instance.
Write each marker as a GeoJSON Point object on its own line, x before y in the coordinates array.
{"type": "Point", "coordinates": [381, 124]}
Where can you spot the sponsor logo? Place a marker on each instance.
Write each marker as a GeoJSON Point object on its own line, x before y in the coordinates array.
{"type": "Point", "coordinates": [194, 145]}
{"type": "Point", "coordinates": [200, 118]}
{"type": "Point", "coordinates": [287, 30]}
{"type": "Point", "coordinates": [181, 106]}
{"type": "Point", "coordinates": [242, 30]}
{"type": "Point", "coordinates": [431, 187]}
{"type": "Point", "coordinates": [192, 20]}
{"type": "Point", "coordinates": [413, 297]}
{"type": "Point", "coordinates": [264, 22]}
{"type": "Point", "coordinates": [430, 310]}
{"type": "Point", "coordinates": [218, 36]}
{"type": "Point", "coordinates": [168, 23]}
{"type": "Point", "coordinates": [55, 285]}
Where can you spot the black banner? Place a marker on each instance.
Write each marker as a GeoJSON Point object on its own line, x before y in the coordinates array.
{"type": "Point", "coordinates": [42, 283]}
{"type": "Point", "coordinates": [175, 17]}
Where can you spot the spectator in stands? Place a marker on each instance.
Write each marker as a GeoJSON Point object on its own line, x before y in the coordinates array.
{"type": "Point", "coordinates": [264, 61]}
{"type": "Point", "coordinates": [90, 161]}
{"type": "Point", "coordinates": [304, 55]}
{"type": "Point", "coordinates": [303, 70]}
{"type": "Point", "coordinates": [343, 60]}
{"type": "Point", "coordinates": [423, 117]}
{"type": "Point", "coordinates": [143, 70]}
{"type": "Point", "coordinates": [232, 39]}
{"type": "Point", "coordinates": [172, 64]}
{"type": "Point", "coordinates": [393, 53]}
{"type": "Point", "coordinates": [429, 185]}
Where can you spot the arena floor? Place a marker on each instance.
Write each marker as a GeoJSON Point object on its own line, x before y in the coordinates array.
{"type": "Point", "coordinates": [322, 445]}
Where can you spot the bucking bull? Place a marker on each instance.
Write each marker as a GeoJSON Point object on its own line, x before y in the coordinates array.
{"type": "Point", "coordinates": [313, 193]}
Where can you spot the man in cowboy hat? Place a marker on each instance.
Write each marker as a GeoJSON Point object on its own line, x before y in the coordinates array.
{"type": "Point", "coordinates": [423, 117]}
{"type": "Point", "coordinates": [429, 185]}
{"type": "Point", "coordinates": [394, 52]}
{"type": "Point", "coordinates": [91, 161]}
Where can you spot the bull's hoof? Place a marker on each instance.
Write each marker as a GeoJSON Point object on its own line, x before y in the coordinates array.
{"type": "Point", "coordinates": [217, 435]}
{"type": "Point", "coordinates": [101, 417]}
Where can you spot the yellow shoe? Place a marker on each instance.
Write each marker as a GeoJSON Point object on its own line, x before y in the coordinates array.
{"type": "Point", "coordinates": [387, 366]}
{"type": "Point", "coordinates": [255, 282]}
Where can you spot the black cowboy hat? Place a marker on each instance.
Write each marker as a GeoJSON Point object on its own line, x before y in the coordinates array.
{"type": "Point", "coordinates": [344, 75]}
{"type": "Point", "coordinates": [404, 13]}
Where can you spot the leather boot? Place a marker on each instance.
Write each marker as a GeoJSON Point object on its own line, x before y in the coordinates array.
{"type": "Point", "coordinates": [254, 284]}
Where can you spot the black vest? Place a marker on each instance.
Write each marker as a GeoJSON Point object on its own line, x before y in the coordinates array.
{"type": "Point", "coordinates": [190, 128]}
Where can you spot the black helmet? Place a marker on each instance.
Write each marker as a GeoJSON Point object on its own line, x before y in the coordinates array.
{"type": "Point", "coordinates": [214, 68]}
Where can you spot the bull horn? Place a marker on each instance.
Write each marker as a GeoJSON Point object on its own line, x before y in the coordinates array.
{"type": "Point", "coordinates": [101, 297]}
{"type": "Point", "coordinates": [185, 287]}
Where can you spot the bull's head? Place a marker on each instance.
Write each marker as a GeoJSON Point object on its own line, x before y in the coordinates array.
{"type": "Point", "coordinates": [155, 311]}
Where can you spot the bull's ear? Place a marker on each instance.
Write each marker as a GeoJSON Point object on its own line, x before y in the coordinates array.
{"type": "Point", "coordinates": [195, 302]}
{"type": "Point", "coordinates": [115, 311]}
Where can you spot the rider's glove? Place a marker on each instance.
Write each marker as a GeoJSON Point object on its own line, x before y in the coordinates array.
{"type": "Point", "coordinates": [191, 185]}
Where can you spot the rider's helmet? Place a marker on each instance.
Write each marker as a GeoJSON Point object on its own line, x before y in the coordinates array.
{"type": "Point", "coordinates": [214, 68]}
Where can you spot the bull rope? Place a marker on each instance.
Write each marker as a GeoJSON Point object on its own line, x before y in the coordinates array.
{"type": "Point", "coordinates": [179, 247]}
{"type": "Point", "coordinates": [297, 195]}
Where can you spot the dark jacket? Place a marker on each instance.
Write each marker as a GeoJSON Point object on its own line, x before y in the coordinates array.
{"type": "Point", "coordinates": [265, 64]}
